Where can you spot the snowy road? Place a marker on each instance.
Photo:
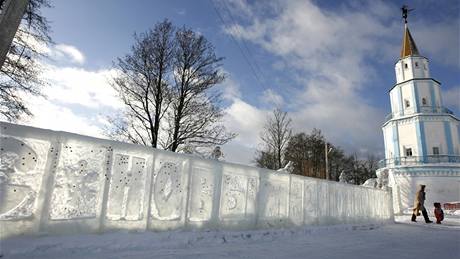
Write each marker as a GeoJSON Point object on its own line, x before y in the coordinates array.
{"type": "Point", "coordinates": [400, 240]}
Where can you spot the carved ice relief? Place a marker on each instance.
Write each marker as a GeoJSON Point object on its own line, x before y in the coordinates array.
{"type": "Point", "coordinates": [252, 195]}
{"type": "Point", "coordinates": [276, 194]}
{"type": "Point", "coordinates": [202, 191]}
{"type": "Point", "coordinates": [323, 198]}
{"type": "Point", "coordinates": [234, 192]}
{"type": "Point", "coordinates": [238, 195]}
{"type": "Point", "coordinates": [296, 200]}
{"type": "Point", "coordinates": [126, 191]}
{"type": "Point", "coordinates": [167, 191]}
{"type": "Point", "coordinates": [77, 184]}
{"type": "Point", "coordinates": [311, 199]}
{"type": "Point", "coordinates": [22, 164]}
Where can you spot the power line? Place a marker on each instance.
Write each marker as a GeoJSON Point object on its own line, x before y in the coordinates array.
{"type": "Point", "coordinates": [256, 65]}
{"type": "Point", "coordinates": [239, 46]}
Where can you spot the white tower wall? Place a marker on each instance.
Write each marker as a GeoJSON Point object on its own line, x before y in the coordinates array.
{"type": "Point", "coordinates": [412, 67]}
{"type": "Point", "coordinates": [435, 137]}
{"type": "Point", "coordinates": [455, 129]}
{"type": "Point", "coordinates": [407, 139]}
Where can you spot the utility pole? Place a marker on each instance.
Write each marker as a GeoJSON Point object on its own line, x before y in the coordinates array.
{"type": "Point", "coordinates": [11, 12]}
{"type": "Point", "coordinates": [326, 153]}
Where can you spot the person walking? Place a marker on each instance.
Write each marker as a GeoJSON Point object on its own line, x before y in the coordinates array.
{"type": "Point", "coordinates": [419, 205]}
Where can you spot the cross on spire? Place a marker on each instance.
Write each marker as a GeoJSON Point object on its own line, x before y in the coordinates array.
{"type": "Point", "coordinates": [405, 12]}
{"type": "Point", "coordinates": [408, 47]}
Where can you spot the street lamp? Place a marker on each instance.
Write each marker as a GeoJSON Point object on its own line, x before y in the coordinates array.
{"type": "Point", "coordinates": [326, 153]}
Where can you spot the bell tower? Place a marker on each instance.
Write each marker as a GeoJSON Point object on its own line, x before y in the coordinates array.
{"type": "Point", "coordinates": [411, 64]}
{"type": "Point", "coordinates": [410, 132]}
{"type": "Point", "coordinates": [413, 69]}
{"type": "Point", "coordinates": [421, 136]}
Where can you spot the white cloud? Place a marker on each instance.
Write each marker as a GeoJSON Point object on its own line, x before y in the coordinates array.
{"type": "Point", "coordinates": [270, 97]}
{"type": "Point", "coordinates": [438, 41]}
{"type": "Point", "coordinates": [237, 153]}
{"type": "Point", "coordinates": [53, 116]}
{"type": "Point", "coordinates": [246, 120]}
{"type": "Point", "coordinates": [65, 52]}
{"type": "Point", "coordinates": [230, 89]}
{"type": "Point", "coordinates": [71, 85]}
{"type": "Point", "coordinates": [62, 53]}
{"type": "Point", "coordinates": [77, 100]}
{"type": "Point", "coordinates": [181, 12]}
{"type": "Point", "coordinates": [451, 98]}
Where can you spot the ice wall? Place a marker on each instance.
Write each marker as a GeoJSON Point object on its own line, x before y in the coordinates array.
{"type": "Point", "coordinates": [57, 182]}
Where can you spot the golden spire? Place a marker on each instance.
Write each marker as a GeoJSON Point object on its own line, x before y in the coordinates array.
{"type": "Point", "coordinates": [408, 45]}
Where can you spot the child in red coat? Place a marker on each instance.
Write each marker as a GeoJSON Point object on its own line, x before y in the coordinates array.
{"type": "Point", "coordinates": [438, 212]}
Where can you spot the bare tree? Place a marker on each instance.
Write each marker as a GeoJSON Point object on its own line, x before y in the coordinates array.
{"type": "Point", "coordinates": [276, 135]}
{"type": "Point", "coordinates": [195, 114]}
{"type": "Point", "coordinates": [166, 84]}
{"type": "Point", "coordinates": [361, 170]}
{"type": "Point", "coordinates": [11, 13]}
{"type": "Point", "coordinates": [306, 151]}
{"type": "Point", "coordinates": [20, 73]}
{"type": "Point", "coordinates": [142, 85]}
{"type": "Point", "coordinates": [266, 159]}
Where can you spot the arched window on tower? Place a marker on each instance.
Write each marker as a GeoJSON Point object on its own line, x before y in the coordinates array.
{"type": "Point", "coordinates": [405, 66]}
{"type": "Point", "coordinates": [424, 101]}
{"type": "Point", "coordinates": [416, 64]}
{"type": "Point", "coordinates": [406, 103]}
{"type": "Point", "coordinates": [436, 151]}
{"type": "Point", "coordinates": [408, 151]}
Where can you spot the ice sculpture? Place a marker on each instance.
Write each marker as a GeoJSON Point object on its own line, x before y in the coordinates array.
{"type": "Point", "coordinates": [274, 191]}
{"type": "Point", "coordinates": [127, 188]}
{"type": "Point", "coordinates": [296, 195]}
{"type": "Point", "coordinates": [311, 201]}
{"type": "Point", "coordinates": [323, 201]}
{"type": "Point", "coordinates": [332, 197]}
{"type": "Point", "coordinates": [343, 177]}
{"type": "Point", "coordinates": [238, 196]}
{"type": "Point", "coordinates": [217, 154]}
{"type": "Point", "coordinates": [167, 191]}
{"type": "Point", "coordinates": [202, 193]}
{"type": "Point", "coordinates": [371, 183]}
{"type": "Point", "coordinates": [287, 169]}
{"type": "Point", "coordinates": [78, 181]}
{"type": "Point", "coordinates": [348, 208]}
{"type": "Point", "coordinates": [57, 182]}
{"type": "Point", "coordinates": [382, 178]}
{"type": "Point", "coordinates": [22, 164]}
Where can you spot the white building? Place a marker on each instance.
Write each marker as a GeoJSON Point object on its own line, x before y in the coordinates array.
{"type": "Point", "coordinates": [422, 137]}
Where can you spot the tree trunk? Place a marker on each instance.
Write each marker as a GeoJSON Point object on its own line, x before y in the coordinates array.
{"type": "Point", "coordinates": [10, 18]}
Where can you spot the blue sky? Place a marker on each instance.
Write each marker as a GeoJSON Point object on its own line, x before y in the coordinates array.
{"type": "Point", "coordinates": [329, 65]}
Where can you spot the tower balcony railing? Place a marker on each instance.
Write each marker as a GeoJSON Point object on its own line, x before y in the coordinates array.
{"type": "Point", "coordinates": [421, 109]}
{"type": "Point", "coordinates": [419, 160]}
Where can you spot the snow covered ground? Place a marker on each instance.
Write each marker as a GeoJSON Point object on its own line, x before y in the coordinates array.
{"type": "Point", "coordinates": [399, 240]}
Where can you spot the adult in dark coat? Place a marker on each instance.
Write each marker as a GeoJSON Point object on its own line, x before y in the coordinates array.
{"type": "Point", "coordinates": [419, 205]}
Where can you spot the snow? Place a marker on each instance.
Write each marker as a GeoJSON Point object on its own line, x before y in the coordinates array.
{"type": "Point", "coordinates": [66, 195]}
{"type": "Point", "coordinates": [450, 222]}
{"type": "Point", "coordinates": [394, 240]}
